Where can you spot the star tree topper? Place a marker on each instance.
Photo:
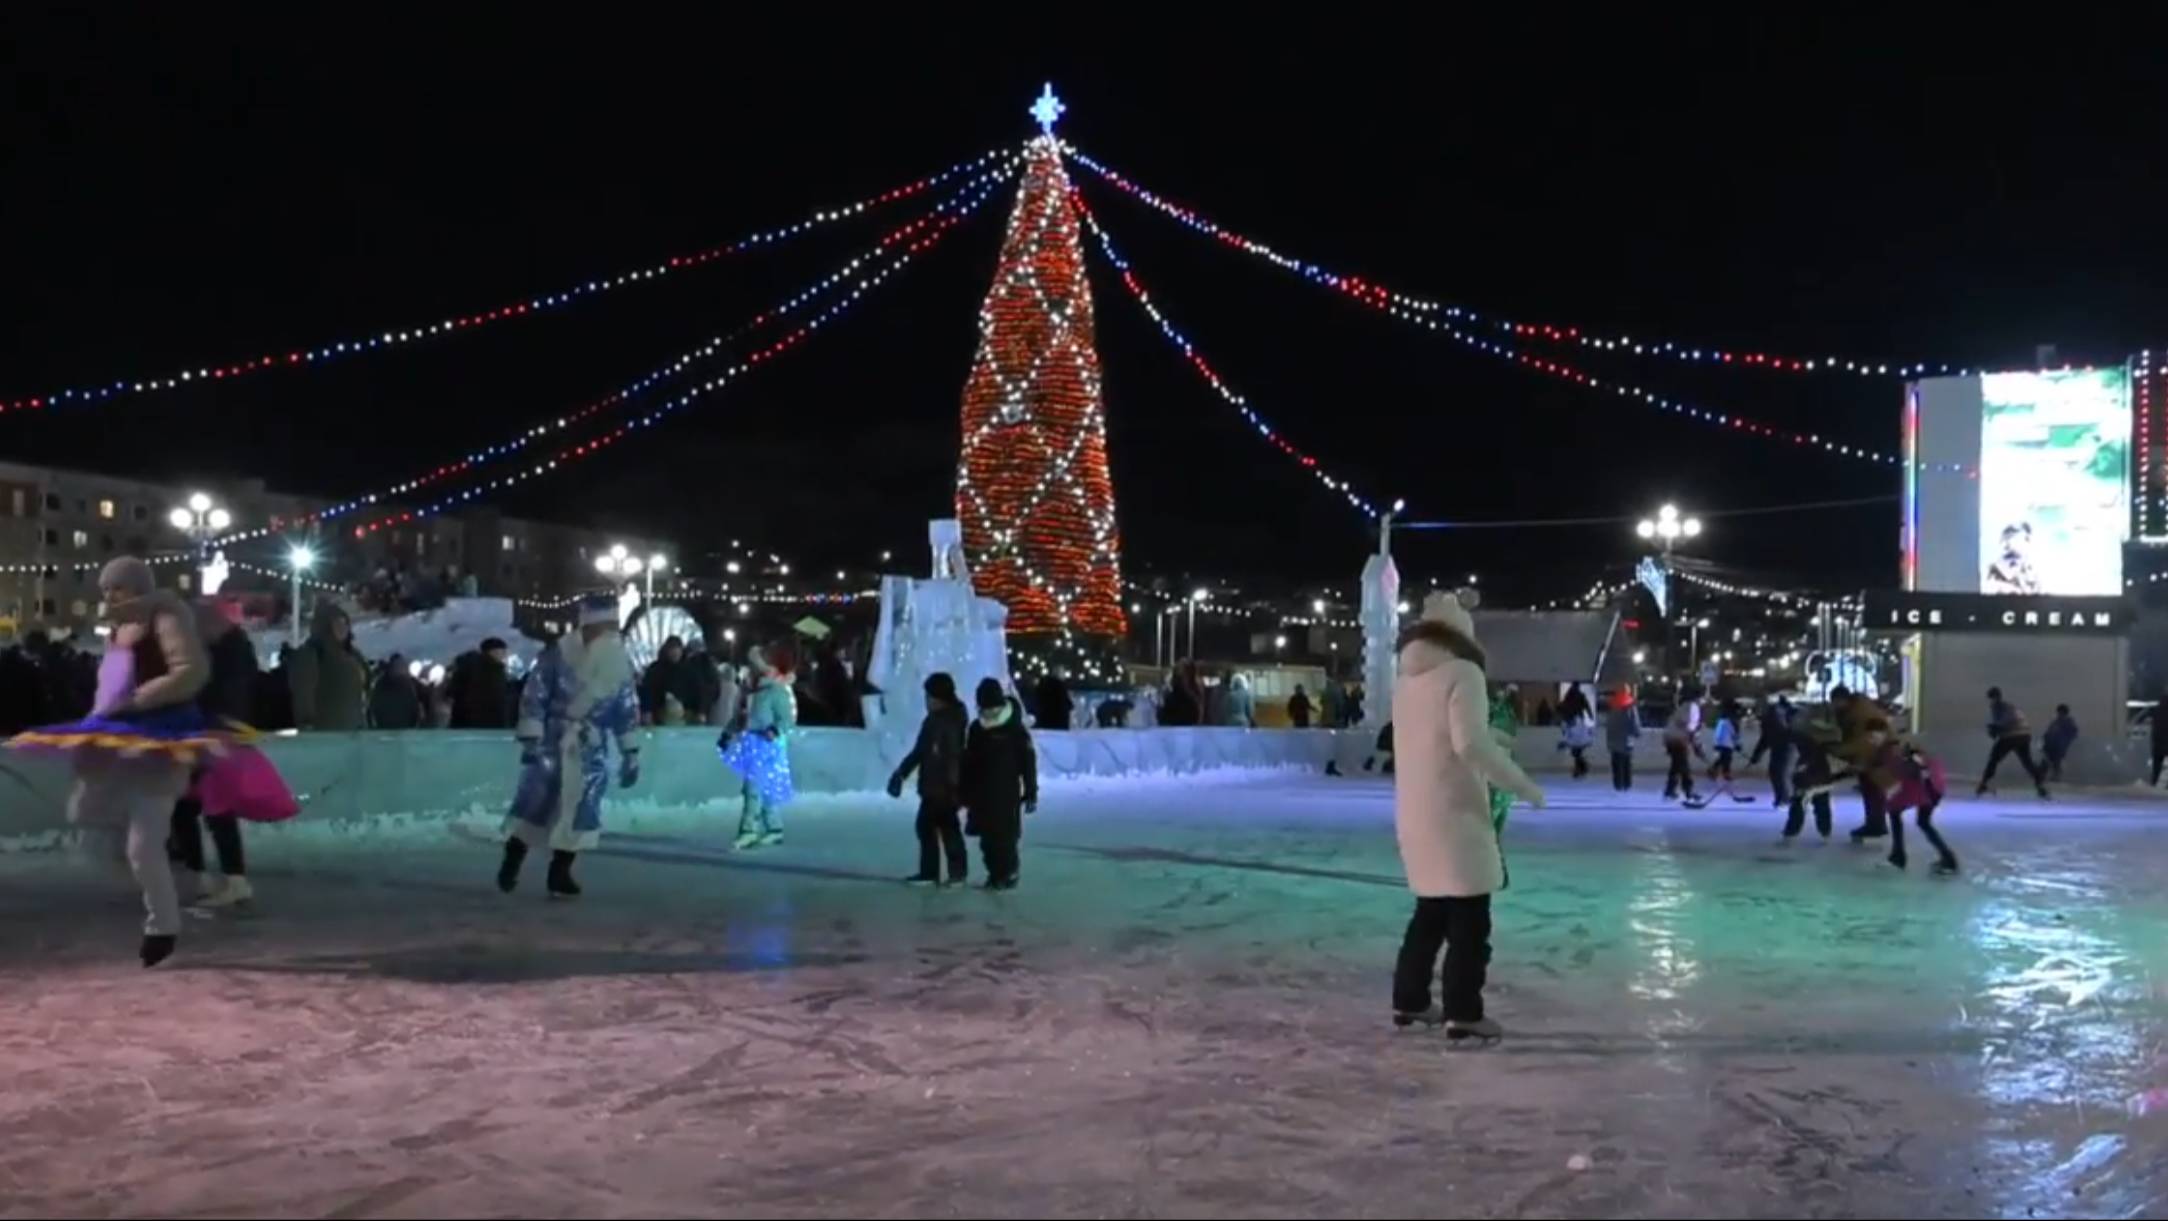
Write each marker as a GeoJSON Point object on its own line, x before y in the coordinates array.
{"type": "Point", "coordinates": [1047, 108]}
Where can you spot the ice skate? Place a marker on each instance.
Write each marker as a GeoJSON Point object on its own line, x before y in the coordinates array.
{"type": "Point", "coordinates": [228, 892]}
{"type": "Point", "coordinates": [1483, 1032]}
{"type": "Point", "coordinates": [1898, 859]}
{"type": "Point", "coordinates": [157, 947]}
{"type": "Point", "coordinates": [1945, 869]}
{"type": "Point", "coordinates": [1428, 1019]}
{"type": "Point", "coordinates": [515, 855]}
{"type": "Point", "coordinates": [923, 879]}
{"type": "Point", "coordinates": [772, 839]}
{"type": "Point", "coordinates": [746, 841]}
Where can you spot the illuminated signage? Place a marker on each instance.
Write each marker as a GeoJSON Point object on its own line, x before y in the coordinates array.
{"type": "Point", "coordinates": [1905, 610]}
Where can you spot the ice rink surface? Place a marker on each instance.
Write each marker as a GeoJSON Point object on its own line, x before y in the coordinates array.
{"type": "Point", "coordinates": [1183, 1012]}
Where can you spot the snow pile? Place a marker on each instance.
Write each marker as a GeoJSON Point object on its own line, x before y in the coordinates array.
{"type": "Point", "coordinates": [432, 637]}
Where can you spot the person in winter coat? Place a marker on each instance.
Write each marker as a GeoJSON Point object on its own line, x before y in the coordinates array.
{"type": "Point", "coordinates": [1681, 739]}
{"type": "Point", "coordinates": [396, 700]}
{"type": "Point", "coordinates": [579, 698]}
{"type": "Point", "coordinates": [1055, 707]}
{"type": "Point", "coordinates": [664, 679]}
{"type": "Point", "coordinates": [2006, 724]}
{"type": "Point", "coordinates": [1298, 708]}
{"type": "Point", "coordinates": [227, 697]}
{"type": "Point", "coordinates": [330, 680]}
{"type": "Point", "coordinates": [1575, 704]}
{"type": "Point", "coordinates": [1863, 731]}
{"type": "Point", "coordinates": [760, 752]}
{"type": "Point", "coordinates": [1000, 782]}
{"type": "Point", "coordinates": [1726, 741]}
{"type": "Point", "coordinates": [480, 689]}
{"type": "Point", "coordinates": [1446, 755]}
{"type": "Point", "coordinates": [1621, 728]}
{"type": "Point", "coordinates": [1332, 705]}
{"type": "Point", "coordinates": [938, 758]}
{"type": "Point", "coordinates": [2062, 734]}
{"type": "Point", "coordinates": [1775, 741]}
{"type": "Point", "coordinates": [1241, 704]}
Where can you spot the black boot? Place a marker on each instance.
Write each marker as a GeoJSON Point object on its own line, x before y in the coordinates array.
{"type": "Point", "coordinates": [515, 855]}
{"type": "Point", "coordinates": [157, 947]}
{"type": "Point", "coordinates": [561, 884]}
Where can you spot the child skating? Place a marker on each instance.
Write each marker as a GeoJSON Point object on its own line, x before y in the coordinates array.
{"type": "Point", "coordinates": [761, 752]}
{"type": "Point", "coordinates": [938, 758]}
{"type": "Point", "coordinates": [1000, 782]}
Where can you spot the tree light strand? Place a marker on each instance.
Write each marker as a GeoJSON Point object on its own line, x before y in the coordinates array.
{"type": "Point", "coordinates": [400, 336]}
{"type": "Point", "coordinates": [1211, 376]}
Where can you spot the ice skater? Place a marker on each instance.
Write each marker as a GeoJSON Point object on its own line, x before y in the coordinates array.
{"type": "Point", "coordinates": [580, 697]}
{"type": "Point", "coordinates": [760, 752]}
{"type": "Point", "coordinates": [1682, 737]}
{"type": "Point", "coordinates": [1000, 782]}
{"type": "Point", "coordinates": [1914, 780]}
{"type": "Point", "coordinates": [144, 735]}
{"type": "Point", "coordinates": [1621, 729]}
{"type": "Point", "coordinates": [1863, 729]}
{"type": "Point", "coordinates": [1727, 745]}
{"type": "Point", "coordinates": [2062, 734]}
{"type": "Point", "coordinates": [938, 758]}
{"type": "Point", "coordinates": [1448, 841]}
{"type": "Point", "coordinates": [1776, 742]}
{"type": "Point", "coordinates": [2006, 724]}
{"type": "Point", "coordinates": [1808, 736]}
{"type": "Point", "coordinates": [226, 699]}
{"type": "Point", "coordinates": [1576, 733]}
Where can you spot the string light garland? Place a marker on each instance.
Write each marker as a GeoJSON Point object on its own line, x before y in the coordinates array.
{"type": "Point", "coordinates": [602, 441]}
{"type": "Point", "coordinates": [2151, 433]}
{"type": "Point", "coordinates": [904, 242]}
{"type": "Point", "coordinates": [1796, 601]}
{"type": "Point", "coordinates": [1379, 293]}
{"type": "Point", "coordinates": [400, 336]}
{"type": "Point", "coordinates": [1211, 376]}
{"type": "Point", "coordinates": [1033, 489]}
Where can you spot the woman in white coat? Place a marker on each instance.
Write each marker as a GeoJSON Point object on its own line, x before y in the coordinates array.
{"type": "Point", "coordinates": [1445, 755]}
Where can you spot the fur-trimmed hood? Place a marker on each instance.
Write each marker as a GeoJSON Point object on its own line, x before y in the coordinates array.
{"type": "Point", "coordinates": [1427, 644]}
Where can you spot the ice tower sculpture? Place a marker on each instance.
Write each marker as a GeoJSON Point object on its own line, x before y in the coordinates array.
{"type": "Point", "coordinates": [930, 625]}
{"type": "Point", "coordinates": [1381, 629]}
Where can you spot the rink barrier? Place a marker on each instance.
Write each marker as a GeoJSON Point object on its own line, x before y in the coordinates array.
{"type": "Point", "coordinates": [442, 774]}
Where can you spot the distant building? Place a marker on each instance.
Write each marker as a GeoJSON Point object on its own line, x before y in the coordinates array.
{"type": "Point", "coordinates": [59, 526]}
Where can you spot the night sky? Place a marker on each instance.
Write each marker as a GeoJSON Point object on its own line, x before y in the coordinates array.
{"type": "Point", "coordinates": [180, 191]}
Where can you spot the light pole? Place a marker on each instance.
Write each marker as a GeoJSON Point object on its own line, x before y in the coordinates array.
{"type": "Point", "coordinates": [1668, 527]}
{"type": "Point", "coordinates": [299, 559]}
{"type": "Point", "coordinates": [1194, 599]}
{"type": "Point", "coordinates": [619, 561]}
{"type": "Point", "coordinates": [201, 520]}
{"type": "Point", "coordinates": [655, 563]}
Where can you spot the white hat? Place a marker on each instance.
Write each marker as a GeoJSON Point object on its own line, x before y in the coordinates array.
{"type": "Point", "coordinates": [1452, 610]}
{"type": "Point", "coordinates": [598, 608]}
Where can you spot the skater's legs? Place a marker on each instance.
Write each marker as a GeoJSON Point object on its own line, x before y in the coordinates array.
{"type": "Point", "coordinates": [1897, 838]}
{"type": "Point", "coordinates": [130, 810]}
{"type": "Point", "coordinates": [1795, 819]}
{"type": "Point", "coordinates": [188, 834]}
{"type": "Point", "coordinates": [1927, 828]}
{"type": "Point", "coordinates": [929, 841]}
{"type": "Point", "coordinates": [1873, 809]}
{"type": "Point", "coordinates": [1000, 855]}
{"type": "Point", "coordinates": [1995, 756]}
{"type": "Point", "coordinates": [2159, 757]}
{"type": "Point", "coordinates": [754, 819]}
{"type": "Point", "coordinates": [949, 822]}
{"type": "Point", "coordinates": [1419, 947]}
{"type": "Point", "coordinates": [1467, 957]}
{"type": "Point", "coordinates": [1622, 770]}
{"type": "Point", "coordinates": [1580, 761]}
{"type": "Point", "coordinates": [2024, 754]}
{"type": "Point", "coordinates": [1825, 819]}
{"type": "Point", "coordinates": [1681, 773]}
{"type": "Point", "coordinates": [226, 837]}
{"type": "Point", "coordinates": [1780, 774]}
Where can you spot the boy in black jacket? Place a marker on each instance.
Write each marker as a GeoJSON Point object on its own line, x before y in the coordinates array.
{"type": "Point", "coordinates": [938, 757]}
{"type": "Point", "coordinates": [1000, 782]}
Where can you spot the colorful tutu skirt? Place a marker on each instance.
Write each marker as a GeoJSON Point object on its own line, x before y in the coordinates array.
{"type": "Point", "coordinates": [243, 783]}
{"type": "Point", "coordinates": [765, 764]}
{"type": "Point", "coordinates": [180, 734]}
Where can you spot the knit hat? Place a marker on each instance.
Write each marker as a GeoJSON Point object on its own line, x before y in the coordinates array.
{"type": "Point", "coordinates": [125, 574]}
{"type": "Point", "coordinates": [1452, 610]}
{"type": "Point", "coordinates": [780, 656]}
{"type": "Point", "coordinates": [941, 686]}
{"type": "Point", "coordinates": [598, 608]}
{"type": "Point", "coordinates": [990, 694]}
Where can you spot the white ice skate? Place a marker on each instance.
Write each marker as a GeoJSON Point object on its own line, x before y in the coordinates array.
{"type": "Point", "coordinates": [227, 892]}
{"type": "Point", "coordinates": [746, 841]}
{"type": "Point", "coordinates": [1484, 1032]}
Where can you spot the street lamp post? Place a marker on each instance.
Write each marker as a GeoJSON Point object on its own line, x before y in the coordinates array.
{"type": "Point", "coordinates": [201, 520]}
{"type": "Point", "coordinates": [655, 563]}
{"type": "Point", "coordinates": [1668, 527]}
{"type": "Point", "coordinates": [1194, 599]}
{"type": "Point", "coordinates": [619, 561]}
{"type": "Point", "coordinates": [299, 559]}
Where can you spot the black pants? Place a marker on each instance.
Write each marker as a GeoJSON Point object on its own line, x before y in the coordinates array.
{"type": "Point", "coordinates": [1780, 774]}
{"type": "Point", "coordinates": [1721, 769]}
{"type": "Point", "coordinates": [1927, 828]}
{"type": "Point", "coordinates": [1461, 927]}
{"type": "Point", "coordinates": [2160, 756]}
{"type": "Point", "coordinates": [941, 831]}
{"type": "Point", "coordinates": [1622, 770]}
{"type": "Point", "coordinates": [1796, 821]}
{"type": "Point", "coordinates": [1002, 860]}
{"type": "Point", "coordinates": [1580, 760]}
{"type": "Point", "coordinates": [2054, 764]}
{"type": "Point", "coordinates": [1681, 775]}
{"type": "Point", "coordinates": [187, 840]}
{"type": "Point", "coordinates": [2019, 744]}
{"type": "Point", "coordinates": [1873, 810]}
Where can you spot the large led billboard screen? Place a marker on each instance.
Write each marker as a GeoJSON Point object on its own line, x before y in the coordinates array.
{"type": "Point", "coordinates": [2054, 482]}
{"type": "Point", "coordinates": [2018, 483]}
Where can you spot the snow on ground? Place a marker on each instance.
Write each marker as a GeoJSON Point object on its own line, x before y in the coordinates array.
{"type": "Point", "coordinates": [1183, 1012]}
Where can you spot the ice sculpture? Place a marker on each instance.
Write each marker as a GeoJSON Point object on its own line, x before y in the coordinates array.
{"type": "Point", "coordinates": [934, 624]}
{"type": "Point", "coordinates": [1381, 629]}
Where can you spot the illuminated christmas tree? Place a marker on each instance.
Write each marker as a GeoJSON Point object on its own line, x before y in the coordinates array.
{"type": "Point", "coordinates": [1032, 485]}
